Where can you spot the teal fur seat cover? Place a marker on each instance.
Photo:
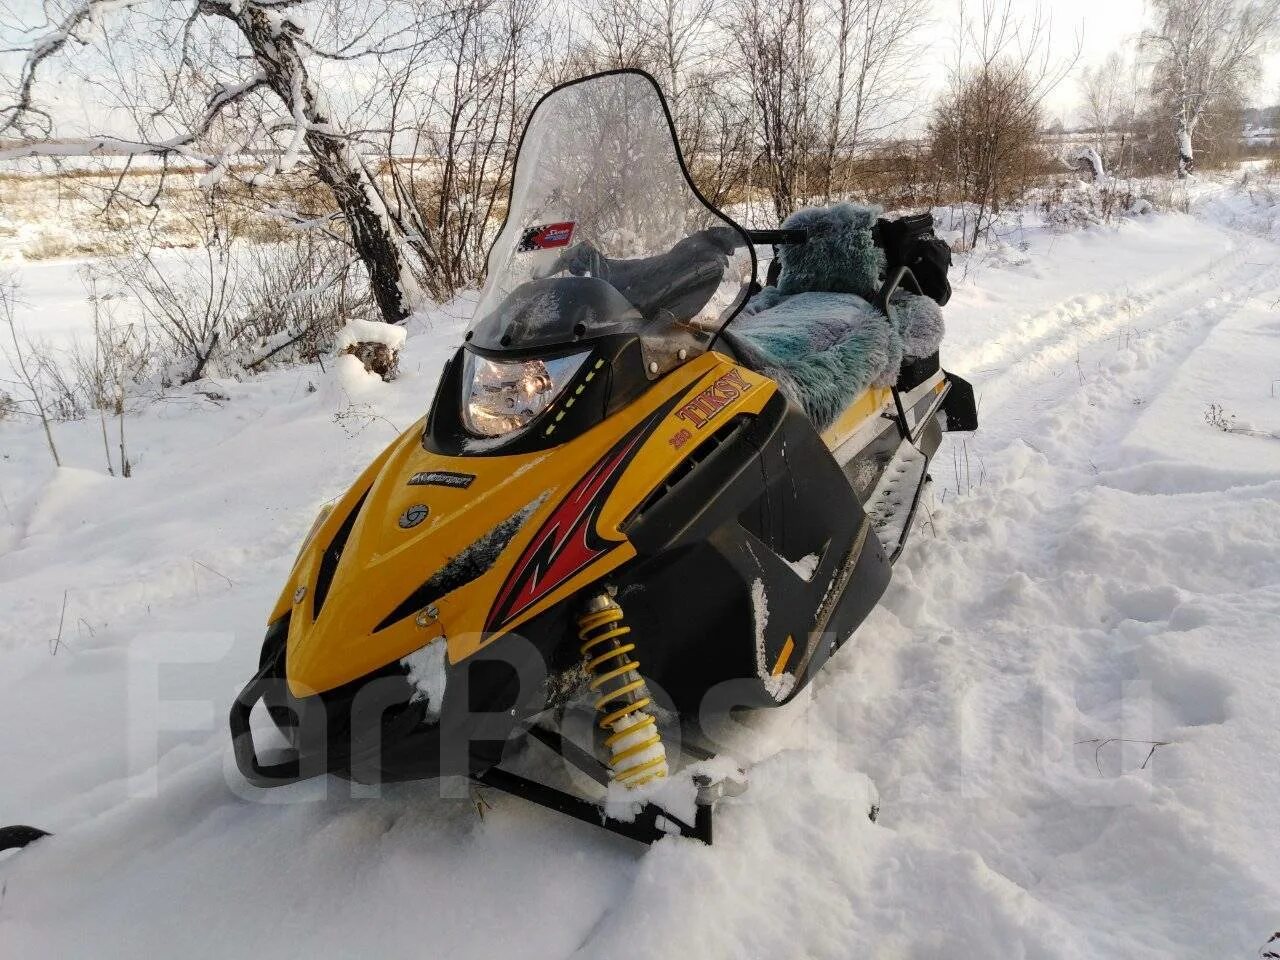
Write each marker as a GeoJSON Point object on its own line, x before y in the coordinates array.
{"type": "Point", "coordinates": [818, 333]}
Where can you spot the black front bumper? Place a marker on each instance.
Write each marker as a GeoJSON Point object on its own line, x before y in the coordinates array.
{"type": "Point", "coordinates": [377, 729]}
{"type": "Point", "coordinates": [355, 732]}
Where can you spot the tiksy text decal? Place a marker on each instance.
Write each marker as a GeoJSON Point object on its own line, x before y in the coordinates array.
{"type": "Point", "coordinates": [704, 408]}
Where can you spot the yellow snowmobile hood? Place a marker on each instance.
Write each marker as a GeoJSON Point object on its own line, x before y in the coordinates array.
{"type": "Point", "coordinates": [468, 548]}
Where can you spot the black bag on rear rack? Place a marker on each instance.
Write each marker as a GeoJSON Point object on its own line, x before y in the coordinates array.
{"type": "Point", "coordinates": [911, 242]}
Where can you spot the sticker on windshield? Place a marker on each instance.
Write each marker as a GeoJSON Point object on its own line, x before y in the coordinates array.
{"type": "Point", "coordinates": [546, 237]}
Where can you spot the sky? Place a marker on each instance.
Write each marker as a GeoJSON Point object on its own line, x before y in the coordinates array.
{"type": "Point", "coordinates": [1099, 26]}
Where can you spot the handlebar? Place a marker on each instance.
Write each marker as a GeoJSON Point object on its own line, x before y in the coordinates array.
{"type": "Point", "coordinates": [890, 235]}
{"type": "Point", "coordinates": [763, 237]}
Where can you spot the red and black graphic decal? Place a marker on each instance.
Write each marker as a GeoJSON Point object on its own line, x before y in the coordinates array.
{"type": "Point", "coordinates": [568, 541]}
{"type": "Point", "coordinates": [546, 237]}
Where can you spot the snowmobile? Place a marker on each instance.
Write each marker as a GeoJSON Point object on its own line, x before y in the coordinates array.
{"type": "Point", "coordinates": [644, 483]}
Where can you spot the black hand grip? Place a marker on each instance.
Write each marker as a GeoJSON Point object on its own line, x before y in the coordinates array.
{"type": "Point", "coordinates": [893, 235]}
{"type": "Point", "coordinates": [763, 237]}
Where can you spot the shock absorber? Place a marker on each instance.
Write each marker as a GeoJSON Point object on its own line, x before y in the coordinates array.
{"type": "Point", "coordinates": [636, 753]}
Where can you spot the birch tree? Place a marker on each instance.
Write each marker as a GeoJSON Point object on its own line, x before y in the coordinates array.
{"type": "Point", "coordinates": [1206, 53]}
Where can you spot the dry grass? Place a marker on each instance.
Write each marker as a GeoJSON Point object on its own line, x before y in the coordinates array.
{"type": "Point", "coordinates": [102, 212]}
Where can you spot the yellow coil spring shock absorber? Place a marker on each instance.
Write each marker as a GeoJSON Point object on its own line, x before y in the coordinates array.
{"type": "Point", "coordinates": [633, 739]}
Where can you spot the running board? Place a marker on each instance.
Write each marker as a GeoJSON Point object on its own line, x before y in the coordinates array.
{"type": "Point", "coordinates": [893, 502]}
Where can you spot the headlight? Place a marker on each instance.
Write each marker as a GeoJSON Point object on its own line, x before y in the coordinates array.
{"type": "Point", "coordinates": [501, 397]}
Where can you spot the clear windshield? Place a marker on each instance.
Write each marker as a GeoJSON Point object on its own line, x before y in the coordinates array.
{"type": "Point", "coordinates": [606, 235]}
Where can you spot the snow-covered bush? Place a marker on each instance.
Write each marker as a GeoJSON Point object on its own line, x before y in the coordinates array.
{"type": "Point", "coordinates": [1072, 206]}
{"type": "Point", "coordinates": [1086, 160]}
{"type": "Point", "coordinates": [375, 344]}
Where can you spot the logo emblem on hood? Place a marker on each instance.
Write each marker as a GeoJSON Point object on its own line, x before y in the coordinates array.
{"type": "Point", "coordinates": [413, 516]}
{"type": "Point", "coordinates": [442, 478]}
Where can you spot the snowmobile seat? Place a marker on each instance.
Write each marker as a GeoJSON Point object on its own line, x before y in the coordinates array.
{"type": "Point", "coordinates": [818, 332]}
{"type": "Point", "coordinates": [824, 349]}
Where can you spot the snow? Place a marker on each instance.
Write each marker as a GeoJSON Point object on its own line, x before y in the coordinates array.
{"type": "Point", "coordinates": [1064, 705]}
{"type": "Point", "coordinates": [806, 566]}
{"type": "Point", "coordinates": [779, 686]}
{"type": "Point", "coordinates": [427, 674]}
{"type": "Point", "coordinates": [370, 331]}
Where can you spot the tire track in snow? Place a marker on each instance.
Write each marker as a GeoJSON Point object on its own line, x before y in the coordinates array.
{"type": "Point", "coordinates": [1038, 334]}
{"type": "Point", "coordinates": [1047, 346]}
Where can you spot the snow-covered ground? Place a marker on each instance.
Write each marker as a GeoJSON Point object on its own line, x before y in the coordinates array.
{"type": "Point", "coordinates": [1098, 572]}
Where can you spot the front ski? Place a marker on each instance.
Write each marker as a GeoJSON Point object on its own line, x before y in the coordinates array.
{"type": "Point", "coordinates": [18, 836]}
{"type": "Point", "coordinates": [650, 825]}
{"type": "Point", "coordinates": [651, 822]}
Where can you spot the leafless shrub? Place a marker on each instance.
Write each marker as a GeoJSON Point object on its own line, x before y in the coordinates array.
{"type": "Point", "coordinates": [483, 73]}
{"type": "Point", "coordinates": [985, 129]}
{"type": "Point", "coordinates": [237, 307]}
{"type": "Point", "coordinates": [984, 134]}
{"type": "Point", "coordinates": [293, 297]}
{"type": "Point", "coordinates": [1071, 206]}
{"type": "Point", "coordinates": [188, 300]}
{"type": "Point", "coordinates": [1216, 416]}
{"type": "Point", "coordinates": [187, 303]}
{"type": "Point", "coordinates": [119, 359]}
{"type": "Point", "coordinates": [355, 418]}
{"type": "Point", "coordinates": [62, 395]}
{"type": "Point", "coordinates": [29, 377]}
{"type": "Point", "coordinates": [1171, 195]}
{"type": "Point", "coordinates": [1112, 95]}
